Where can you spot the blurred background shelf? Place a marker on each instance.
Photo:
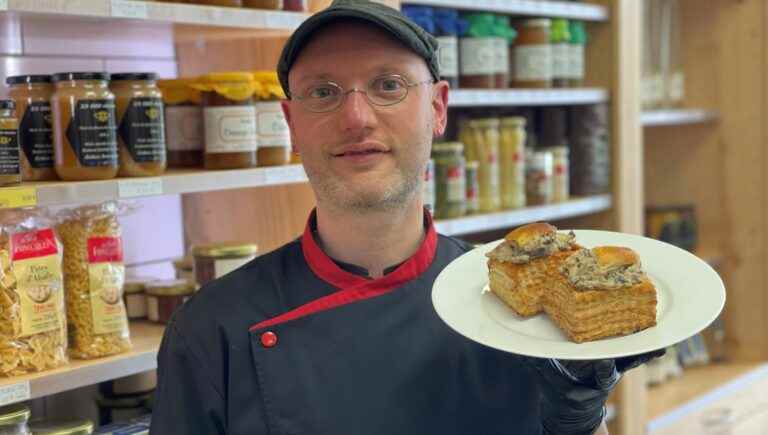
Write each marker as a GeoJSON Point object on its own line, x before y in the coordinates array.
{"type": "Point", "coordinates": [660, 118]}
{"type": "Point", "coordinates": [526, 97]}
{"type": "Point", "coordinates": [559, 9]}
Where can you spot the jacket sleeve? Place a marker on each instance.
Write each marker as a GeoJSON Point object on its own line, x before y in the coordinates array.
{"type": "Point", "coordinates": [186, 399]}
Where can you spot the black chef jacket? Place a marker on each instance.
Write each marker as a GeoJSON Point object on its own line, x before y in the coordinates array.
{"type": "Point", "coordinates": [292, 344]}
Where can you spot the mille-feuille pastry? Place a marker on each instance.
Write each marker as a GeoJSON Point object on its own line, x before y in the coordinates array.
{"type": "Point", "coordinates": [525, 266]}
{"type": "Point", "coordinates": [605, 293]}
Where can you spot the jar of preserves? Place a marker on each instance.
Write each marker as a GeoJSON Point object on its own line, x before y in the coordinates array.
{"type": "Point", "coordinates": [450, 184]}
{"type": "Point", "coordinates": [61, 427]}
{"type": "Point", "coordinates": [560, 174]}
{"type": "Point", "coordinates": [184, 268]}
{"type": "Point", "coordinates": [576, 61]}
{"type": "Point", "coordinates": [447, 30]}
{"type": "Point", "coordinates": [184, 136]}
{"type": "Point", "coordinates": [13, 420]}
{"type": "Point", "coordinates": [538, 177]}
{"type": "Point", "coordinates": [218, 259]}
{"type": "Point", "coordinates": [532, 55]}
{"type": "Point", "coordinates": [505, 34]}
{"type": "Point", "coordinates": [263, 4]}
{"type": "Point", "coordinates": [295, 5]}
{"type": "Point", "coordinates": [140, 124]}
{"type": "Point", "coordinates": [164, 297]}
{"type": "Point", "coordinates": [10, 169]}
{"type": "Point", "coordinates": [473, 188]}
{"type": "Point", "coordinates": [560, 36]}
{"type": "Point", "coordinates": [272, 134]}
{"type": "Point", "coordinates": [429, 186]}
{"type": "Point", "coordinates": [478, 52]}
{"type": "Point", "coordinates": [84, 126]}
{"type": "Point", "coordinates": [481, 140]}
{"type": "Point", "coordinates": [512, 162]}
{"type": "Point", "coordinates": [230, 120]}
{"type": "Point", "coordinates": [32, 95]}
{"type": "Point", "coordinates": [135, 297]}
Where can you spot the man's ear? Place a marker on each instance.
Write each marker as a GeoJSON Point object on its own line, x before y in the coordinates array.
{"type": "Point", "coordinates": [286, 106]}
{"type": "Point", "coordinates": [440, 107]}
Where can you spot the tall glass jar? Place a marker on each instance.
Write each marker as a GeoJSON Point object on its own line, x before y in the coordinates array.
{"type": "Point", "coordinates": [13, 420]}
{"type": "Point", "coordinates": [538, 180]}
{"type": "Point", "coordinates": [478, 52]}
{"type": "Point", "coordinates": [532, 55]}
{"type": "Point", "coordinates": [10, 169]}
{"type": "Point", "coordinates": [481, 140]}
{"type": "Point", "coordinates": [32, 94]}
{"type": "Point", "coordinates": [473, 188]}
{"type": "Point", "coordinates": [450, 190]}
{"type": "Point", "coordinates": [272, 134]}
{"type": "Point", "coordinates": [184, 136]}
{"type": "Point", "coordinates": [512, 162]}
{"type": "Point", "coordinates": [560, 174]}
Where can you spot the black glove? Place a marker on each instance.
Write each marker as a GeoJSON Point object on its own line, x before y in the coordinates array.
{"type": "Point", "coordinates": [574, 392]}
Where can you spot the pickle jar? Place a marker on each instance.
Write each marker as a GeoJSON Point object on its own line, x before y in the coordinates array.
{"type": "Point", "coordinates": [164, 297]}
{"type": "Point", "coordinates": [229, 117]}
{"type": "Point", "coordinates": [184, 136]}
{"type": "Point", "coordinates": [84, 126]}
{"type": "Point", "coordinates": [218, 259]}
{"type": "Point", "coordinates": [538, 177]}
{"type": "Point", "coordinates": [428, 196]}
{"type": "Point", "coordinates": [481, 140]}
{"type": "Point", "coordinates": [32, 95]}
{"type": "Point", "coordinates": [10, 170]}
{"type": "Point", "coordinates": [450, 182]}
{"type": "Point", "coordinates": [473, 188]}
{"type": "Point", "coordinates": [532, 55]}
{"type": "Point", "coordinates": [560, 174]}
{"type": "Point", "coordinates": [140, 124]}
{"type": "Point", "coordinates": [512, 162]}
{"type": "Point", "coordinates": [13, 420]}
{"type": "Point", "coordinates": [61, 427]}
{"type": "Point", "coordinates": [272, 134]}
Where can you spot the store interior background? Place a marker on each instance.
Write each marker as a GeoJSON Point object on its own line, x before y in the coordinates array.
{"type": "Point", "coordinates": [713, 165]}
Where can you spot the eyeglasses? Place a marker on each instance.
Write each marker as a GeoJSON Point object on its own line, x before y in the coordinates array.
{"type": "Point", "coordinates": [386, 90]}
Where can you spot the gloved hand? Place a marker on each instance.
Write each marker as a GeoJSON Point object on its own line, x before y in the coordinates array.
{"type": "Point", "coordinates": [574, 392]}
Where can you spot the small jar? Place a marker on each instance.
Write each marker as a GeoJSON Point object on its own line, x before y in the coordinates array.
{"type": "Point", "coordinates": [295, 5]}
{"type": "Point", "coordinates": [560, 36]}
{"type": "Point", "coordinates": [504, 33]}
{"type": "Point", "coordinates": [140, 124]}
{"type": "Point", "coordinates": [560, 174]}
{"type": "Point", "coordinates": [10, 167]}
{"type": "Point", "coordinates": [230, 120]}
{"type": "Point", "coordinates": [429, 186]}
{"type": "Point", "coordinates": [184, 135]}
{"type": "Point", "coordinates": [84, 126]}
{"type": "Point", "coordinates": [538, 179]}
{"type": "Point", "coordinates": [512, 162]}
{"type": "Point", "coordinates": [533, 55]}
{"type": "Point", "coordinates": [473, 188]}
{"type": "Point", "coordinates": [32, 95]}
{"type": "Point", "coordinates": [61, 427]}
{"type": "Point", "coordinates": [447, 31]}
{"type": "Point", "coordinates": [450, 182]}
{"type": "Point", "coordinates": [135, 297]}
{"type": "Point", "coordinates": [479, 53]}
{"type": "Point", "coordinates": [263, 4]}
{"type": "Point", "coordinates": [13, 420]}
{"type": "Point", "coordinates": [185, 268]}
{"type": "Point", "coordinates": [272, 134]}
{"type": "Point", "coordinates": [218, 259]}
{"type": "Point", "coordinates": [164, 297]}
{"type": "Point", "coordinates": [481, 140]}
{"type": "Point", "coordinates": [576, 56]}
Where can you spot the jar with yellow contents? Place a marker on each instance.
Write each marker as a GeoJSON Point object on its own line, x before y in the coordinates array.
{"type": "Point", "coordinates": [512, 162]}
{"type": "Point", "coordinates": [481, 141]}
{"type": "Point", "coordinates": [10, 170]}
{"type": "Point", "coordinates": [272, 133]}
{"type": "Point", "coordinates": [32, 95]}
{"type": "Point", "coordinates": [450, 182]}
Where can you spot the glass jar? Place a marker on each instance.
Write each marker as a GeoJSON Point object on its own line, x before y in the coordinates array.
{"type": "Point", "coordinates": [504, 35]}
{"type": "Point", "coordinates": [135, 297]}
{"type": "Point", "coordinates": [61, 427]}
{"type": "Point", "coordinates": [295, 5]}
{"type": "Point", "coordinates": [533, 55]}
{"type": "Point", "coordinates": [481, 140]}
{"type": "Point", "coordinates": [478, 52]}
{"type": "Point", "coordinates": [560, 174]}
{"type": "Point", "coordinates": [512, 162]}
{"type": "Point", "coordinates": [218, 259]}
{"type": "Point", "coordinates": [184, 134]}
{"type": "Point", "coordinates": [450, 184]}
{"type": "Point", "coordinates": [473, 188]}
{"type": "Point", "coordinates": [10, 169]}
{"type": "Point", "coordinates": [230, 120]}
{"type": "Point", "coordinates": [447, 28]}
{"type": "Point", "coordinates": [561, 46]}
{"type": "Point", "coordinates": [140, 124]}
{"type": "Point", "coordinates": [84, 126]}
{"type": "Point", "coordinates": [263, 4]}
{"type": "Point", "coordinates": [164, 297]}
{"type": "Point", "coordinates": [185, 268]}
{"type": "Point", "coordinates": [429, 186]}
{"type": "Point", "coordinates": [32, 95]}
{"type": "Point", "coordinates": [538, 178]}
{"type": "Point", "coordinates": [13, 420]}
{"type": "Point", "coordinates": [576, 61]}
{"type": "Point", "coordinates": [272, 133]}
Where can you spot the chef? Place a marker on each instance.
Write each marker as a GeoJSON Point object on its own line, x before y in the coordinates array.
{"type": "Point", "coordinates": [334, 333]}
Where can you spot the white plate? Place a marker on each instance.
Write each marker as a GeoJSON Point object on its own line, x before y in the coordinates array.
{"type": "Point", "coordinates": [690, 295]}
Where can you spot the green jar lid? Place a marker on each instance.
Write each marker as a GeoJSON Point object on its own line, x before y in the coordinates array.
{"type": "Point", "coordinates": [578, 32]}
{"type": "Point", "coordinates": [560, 32]}
{"type": "Point", "coordinates": [61, 427]}
{"type": "Point", "coordinates": [14, 414]}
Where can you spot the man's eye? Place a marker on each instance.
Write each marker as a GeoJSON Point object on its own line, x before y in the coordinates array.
{"type": "Point", "coordinates": [321, 92]}
{"type": "Point", "coordinates": [388, 85]}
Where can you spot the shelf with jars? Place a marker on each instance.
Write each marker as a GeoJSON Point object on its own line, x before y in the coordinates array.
{"type": "Point", "coordinates": [561, 9]}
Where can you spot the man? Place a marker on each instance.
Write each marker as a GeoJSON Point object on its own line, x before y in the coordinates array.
{"type": "Point", "coordinates": [334, 333]}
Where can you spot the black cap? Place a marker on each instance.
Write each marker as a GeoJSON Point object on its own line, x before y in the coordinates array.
{"type": "Point", "coordinates": [7, 104]}
{"type": "Point", "coordinates": [390, 20]}
{"type": "Point", "coordinates": [33, 78]}
{"type": "Point", "coordinates": [62, 77]}
{"type": "Point", "coordinates": [134, 76]}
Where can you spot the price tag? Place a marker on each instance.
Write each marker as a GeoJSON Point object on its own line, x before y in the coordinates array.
{"type": "Point", "coordinates": [140, 187]}
{"type": "Point", "coordinates": [3, 5]}
{"type": "Point", "coordinates": [14, 393]}
{"type": "Point", "coordinates": [129, 9]}
{"type": "Point", "coordinates": [13, 197]}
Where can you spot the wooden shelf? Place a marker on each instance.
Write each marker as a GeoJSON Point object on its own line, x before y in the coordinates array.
{"type": "Point", "coordinates": [660, 118]}
{"type": "Point", "coordinates": [559, 9]}
{"type": "Point", "coordinates": [146, 339]}
{"type": "Point", "coordinates": [526, 97]}
{"type": "Point", "coordinates": [149, 11]}
{"type": "Point", "coordinates": [494, 221]}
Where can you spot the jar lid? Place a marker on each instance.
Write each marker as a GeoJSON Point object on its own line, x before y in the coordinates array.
{"type": "Point", "coordinates": [228, 77]}
{"type": "Point", "coordinates": [513, 121]}
{"type": "Point", "coordinates": [32, 78]}
{"type": "Point", "coordinates": [270, 85]}
{"type": "Point", "coordinates": [484, 122]}
{"type": "Point", "coordinates": [136, 284]}
{"type": "Point", "coordinates": [235, 86]}
{"type": "Point", "coordinates": [171, 287]}
{"type": "Point", "coordinates": [538, 22]}
{"type": "Point", "coordinates": [14, 414]}
{"type": "Point", "coordinates": [177, 91]}
{"type": "Point", "coordinates": [443, 147]}
{"type": "Point", "coordinates": [225, 249]}
{"type": "Point", "coordinates": [473, 164]}
{"type": "Point", "coordinates": [184, 263]}
{"type": "Point", "coordinates": [134, 76]}
{"type": "Point", "coordinates": [7, 105]}
{"type": "Point", "coordinates": [66, 76]}
{"type": "Point", "coordinates": [61, 427]}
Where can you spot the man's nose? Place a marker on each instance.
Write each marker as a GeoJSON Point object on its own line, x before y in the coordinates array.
{"type": "Point", "coordinates": [356, 111]}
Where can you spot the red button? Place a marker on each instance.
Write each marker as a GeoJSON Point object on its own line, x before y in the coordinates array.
{"type": "Point", "coordinates": [268, 339]}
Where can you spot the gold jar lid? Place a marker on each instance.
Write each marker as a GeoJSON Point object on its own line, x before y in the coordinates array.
{"type": "Point", "coordinates": [14, 414]}
{"type": "Point", "coordinates": [513, 121]}
{"type": "Point", "coordinates": [176, 91]}
{"type": "Point", "coordinates": [235, 86]}
{"type": "Point", "coordinates": [184, 263]}
{"type": "Point", "coordinates": [136, 284]}
{"type": "Point", "coordinates": [61, 427]}
{"type": "Point", "coordinates": [225, 249]}
{"type": "Point", "coordinates": [171, 287]}
{"type": "Point", "coordinates": [484, 123]}
{"type": "Point", "coordinates": [448, 147]}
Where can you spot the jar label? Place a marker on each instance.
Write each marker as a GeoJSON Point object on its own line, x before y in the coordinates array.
{"type": "Point", "coordinates": [533, 62]}
{"type": "Point", "coordinates": [143, 131]}
{"type": "Point", "coordinates": [9, 152]}
{"type": "Point", "coordinates": [478, 56]}
{"type": "Point", "coordinates": [36, 135]}
{"type": "Point", "coordinates": [230, 129]}
{"type": "Point", "coordinates": [106, 275]}
{"type": "Point", "coordinates": [36, 258]}
{"type": "Point", "coordinates": [576, 62]}
{"type": "Point", "coordinates": [429, 186]}
{"type": "Point", "coordinates": [271, 126]}
{"type": "Point", "coordinates": [561, 58]}
{"type": "Point", "coordinates": [501, 63]}
{"type": "Point", "coordinates": [92, 133]}
{"type": "Point", "coordinates": [224, 266]}
{"type": "Point", "coordinates": [456, 184]}
{"type": "Point", "coordinates": [184, 128]}
{"type": "Point", "coordinates": [448, 56]}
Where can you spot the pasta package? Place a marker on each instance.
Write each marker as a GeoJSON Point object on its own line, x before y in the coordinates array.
{"type": "Point", "coordinates": [93, 281]}
{"type": "Point", "coordinates": [33, 329]}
